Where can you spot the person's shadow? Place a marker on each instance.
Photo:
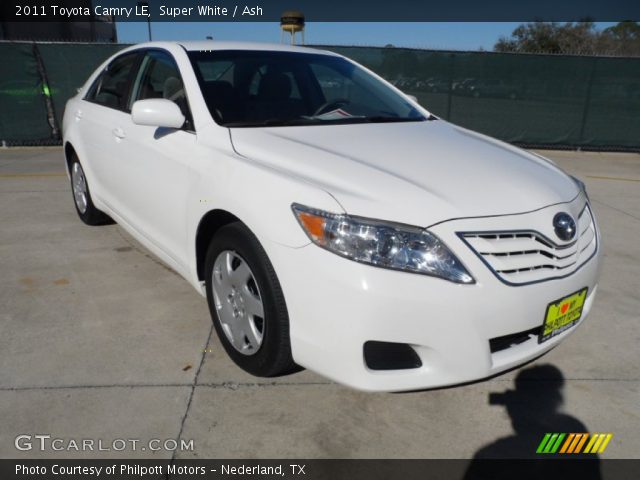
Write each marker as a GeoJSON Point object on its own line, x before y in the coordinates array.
{"type": "Point", "coordinates": [534, 410]}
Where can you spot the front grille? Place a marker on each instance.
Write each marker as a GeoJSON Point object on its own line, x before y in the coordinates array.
{"type": "Point", "coordinates": [526, 256]}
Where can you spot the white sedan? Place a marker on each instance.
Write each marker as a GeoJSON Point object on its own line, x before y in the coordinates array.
{"type": "Point", "coordinates": [331, 221]}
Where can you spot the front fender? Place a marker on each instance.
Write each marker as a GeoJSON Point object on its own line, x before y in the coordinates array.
{"type": "Point", "coordinates": [259, 196]}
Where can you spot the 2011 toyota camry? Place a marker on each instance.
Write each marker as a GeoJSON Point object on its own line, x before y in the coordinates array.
{"type": "Point", "coordinates": [330, 220]}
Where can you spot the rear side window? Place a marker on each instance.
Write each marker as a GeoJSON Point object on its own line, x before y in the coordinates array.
{"type": "Point", "coordinates": [112, 85]}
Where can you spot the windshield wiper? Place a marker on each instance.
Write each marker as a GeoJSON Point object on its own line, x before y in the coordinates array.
{"type": "Point", "coordinates": [389, 119]}
{"type": "Point", "coordinates": [274, 122]}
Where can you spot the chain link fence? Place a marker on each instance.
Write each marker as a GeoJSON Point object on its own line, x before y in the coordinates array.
{"type": "Point", "coordinates": [554, 101]}
{"type": "Point", "coordinates": [36, 80]}
{"type": "Point", "coordinates": [557, 101]}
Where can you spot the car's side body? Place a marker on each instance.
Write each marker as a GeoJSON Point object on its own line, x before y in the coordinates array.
{"type": "Point", "coordinates": [167, 222]}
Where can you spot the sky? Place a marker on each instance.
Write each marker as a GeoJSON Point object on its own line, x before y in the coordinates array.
{"type": "Point", "coordinates": [436, 35]}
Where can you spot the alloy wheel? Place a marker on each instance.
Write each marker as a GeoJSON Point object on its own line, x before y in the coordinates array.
{"type": "Point", "coordinates": [238, 302]}
{"type": "Point", "coordinates": [79, 186]}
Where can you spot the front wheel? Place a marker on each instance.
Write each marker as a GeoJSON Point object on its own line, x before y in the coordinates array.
{"type": "Point", "coordinates": [247, 304]}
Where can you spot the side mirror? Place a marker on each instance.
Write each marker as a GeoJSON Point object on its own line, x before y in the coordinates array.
{"type": "Point", "coordinates": [157, 112]}
{"type": "Point", "coordinates": [412, 97]}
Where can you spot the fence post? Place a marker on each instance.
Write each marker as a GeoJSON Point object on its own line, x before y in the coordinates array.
{"type": "Point", "coordinates": [51, 116]}
{"type": "Point", "coordinates": [587, 101]}
{"type": "Point", "coordinates": [450, 92]}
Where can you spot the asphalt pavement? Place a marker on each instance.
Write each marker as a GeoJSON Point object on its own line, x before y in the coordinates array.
{"type": "Point", "coordinates": [101, 341]}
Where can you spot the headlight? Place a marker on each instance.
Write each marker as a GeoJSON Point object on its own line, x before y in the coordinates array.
{"type": "Point", "coordinates": [381, 244]}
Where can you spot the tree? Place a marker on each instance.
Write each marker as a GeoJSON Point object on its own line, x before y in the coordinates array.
{"type": "Point", "coordinates": [572, 37]}
{"type": "Point", "coordinates": [622, 39]}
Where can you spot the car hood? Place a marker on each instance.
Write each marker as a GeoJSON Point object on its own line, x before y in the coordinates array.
{"type": "Point", "coordinates": [417, 173]}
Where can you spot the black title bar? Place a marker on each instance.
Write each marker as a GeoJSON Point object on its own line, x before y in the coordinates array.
{"type": "Point", "coordinates": [556, 468]}
{"type": "Point", "coordinates": [316, 11]}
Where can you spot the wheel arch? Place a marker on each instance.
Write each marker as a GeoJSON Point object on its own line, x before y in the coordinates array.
{"type": "Point", "coordinates": [69, 151]}
{"type": "Point", "coordinates": [208, 226]}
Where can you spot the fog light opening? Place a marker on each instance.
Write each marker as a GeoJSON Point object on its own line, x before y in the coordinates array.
{"type": "Point", "coordinates": [390, 356]}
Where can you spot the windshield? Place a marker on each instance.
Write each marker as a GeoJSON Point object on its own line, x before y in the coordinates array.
{"type": "Point", "coordinates": [244, 88]}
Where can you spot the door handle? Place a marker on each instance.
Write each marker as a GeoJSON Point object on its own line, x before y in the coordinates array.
{"type": "Point", "coordinates": [119, 132]}
{"type": "Point", "coordinates": [78, 114]}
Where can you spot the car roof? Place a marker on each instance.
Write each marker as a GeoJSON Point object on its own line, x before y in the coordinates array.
{"type": "Point", "coordinates": [199, 45]}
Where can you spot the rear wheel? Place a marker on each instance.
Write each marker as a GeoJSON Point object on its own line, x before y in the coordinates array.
{"type": "Point", "coordinates": [247, 304]}
{"type": "Point", "coordinates": [87, 211]}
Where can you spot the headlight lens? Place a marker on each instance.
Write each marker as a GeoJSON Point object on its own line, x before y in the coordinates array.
{"type": "Point", "coordinates": [382, 244]}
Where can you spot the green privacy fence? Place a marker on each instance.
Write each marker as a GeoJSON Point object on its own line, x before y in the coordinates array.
{"type": "Point", "coordinates": [23, 114]}
{"type": "Point", "coordinates": [538, 100]}
{"type": "Point", "coordinates": [545, 100]}
{"type": "Point", "coordinates": [36, 80]}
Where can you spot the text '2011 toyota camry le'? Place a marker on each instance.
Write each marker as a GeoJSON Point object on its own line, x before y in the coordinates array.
{"type": "Point", "coordinates": [330, 220]}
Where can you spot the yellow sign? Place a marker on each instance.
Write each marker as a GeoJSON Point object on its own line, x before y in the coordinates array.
{"type": "Point", "coordinates": [563, 314]}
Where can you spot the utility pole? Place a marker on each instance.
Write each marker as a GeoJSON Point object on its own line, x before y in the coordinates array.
{"type": "Point", "coordinates": [146, 4]}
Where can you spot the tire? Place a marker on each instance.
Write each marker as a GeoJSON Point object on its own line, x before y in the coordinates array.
{"type": "Point", "coordinates": [85, 208]}
{"type": "Point", "coordinates": [246, 303]}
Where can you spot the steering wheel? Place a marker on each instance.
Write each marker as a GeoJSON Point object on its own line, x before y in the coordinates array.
{"type": "Point", "coordinates": [330, 105]}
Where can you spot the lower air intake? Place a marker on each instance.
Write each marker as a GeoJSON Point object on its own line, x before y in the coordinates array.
{"type": "Point", "coordinates": [502, 343]}
{"type": "Point", "coordinates": [390, 356]}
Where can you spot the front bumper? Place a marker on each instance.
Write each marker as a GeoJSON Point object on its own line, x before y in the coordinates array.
{"type": "Point", "coordinates": [336, 305]}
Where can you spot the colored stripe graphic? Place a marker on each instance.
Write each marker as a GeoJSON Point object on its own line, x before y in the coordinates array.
{"type": "Point", "coordinates": [574, 443]}
{"type": "Point", "coordinates": [598, 443]}
{"type": "Point", "coordinates": [606, 441]}
{"type": "Point", "coordinates": [543, 443]}
{"type": "Point", "coordinates": [550, 443]}
{"type": "Point", "coordinates": [555, 447]}
{"type": "Point", "coordinates": [567, 442]}
{"type": "Point", "coordinates": [591, 443]}
{"type": "Point", "coordinates": [582, 442]}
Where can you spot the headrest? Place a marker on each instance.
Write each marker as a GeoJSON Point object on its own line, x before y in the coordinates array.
{"type": "Point", "coordinates": [274, 86]}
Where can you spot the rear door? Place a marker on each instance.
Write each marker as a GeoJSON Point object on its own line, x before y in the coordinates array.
{"type": "Point", "coordinates": [99, 117]}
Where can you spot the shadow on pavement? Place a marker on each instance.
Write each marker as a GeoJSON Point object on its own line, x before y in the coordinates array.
{"type": "Point", "coordinates": [534, 410]}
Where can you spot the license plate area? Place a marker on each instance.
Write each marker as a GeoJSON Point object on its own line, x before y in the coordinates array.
{"type": "Point", "coordinates": [562, 314]}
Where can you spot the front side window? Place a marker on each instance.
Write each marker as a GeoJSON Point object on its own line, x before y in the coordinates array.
{"type": "Point", "coordinates": [112, 85]}
{"type": "Point", "coordinates": [159, 77]}
{"type": "Point", "coordinates": [246, 88]}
